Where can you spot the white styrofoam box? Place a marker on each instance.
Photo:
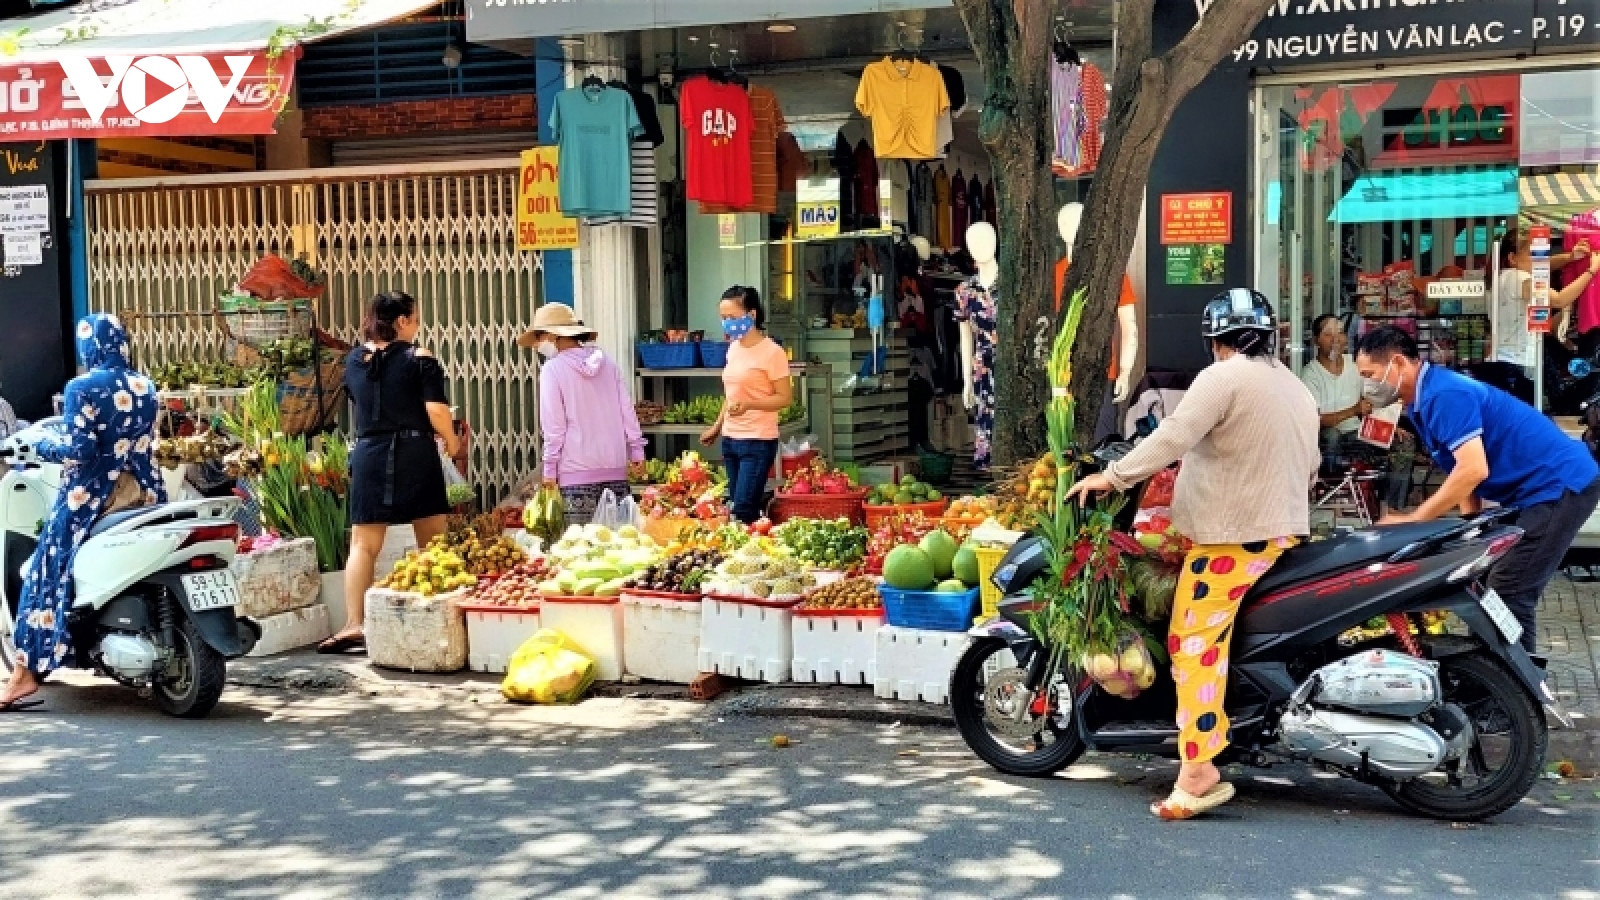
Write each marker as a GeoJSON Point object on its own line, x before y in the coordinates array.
{"type": "Point", "coordinates": [495, 632]}
{"type": "Point", "coordinates": [277, 579]}
{"type": "Point", "coordinates": [747, 638]}
{"type": "Point", "coordinates": [291, 630]}
{"type": "Point", "coordinates": [416, 633]}
{"type": "Point", "coordinates": [662, 635]}
{"type": "Point", "coordinates": [913, 664]}
{"type": "Point", "coordinates": [594, 625]}
{"type": "Point", "coordinates": [331, 593]}
{"type": "Point", "coordinates": [397, 542]}
{"type": "Point", "coordinates": [836, 648]}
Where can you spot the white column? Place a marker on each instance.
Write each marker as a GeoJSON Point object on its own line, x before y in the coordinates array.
{"type": "Point", "coordinates": [604, 264]}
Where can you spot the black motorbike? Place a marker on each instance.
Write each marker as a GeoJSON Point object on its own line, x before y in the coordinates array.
{"type": "Point", "coordinates": [1450, 725]}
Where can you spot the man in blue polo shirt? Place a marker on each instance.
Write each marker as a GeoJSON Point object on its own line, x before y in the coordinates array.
{"type": "Point", "coordinates": [1493, 447]}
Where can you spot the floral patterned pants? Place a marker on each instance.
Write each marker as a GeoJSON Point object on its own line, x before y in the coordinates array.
{"type": "Point", "coordinates": [1214, 580]}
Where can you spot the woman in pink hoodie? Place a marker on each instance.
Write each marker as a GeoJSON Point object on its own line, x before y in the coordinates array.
{"type": "Point", "coordinates": [591, 434]}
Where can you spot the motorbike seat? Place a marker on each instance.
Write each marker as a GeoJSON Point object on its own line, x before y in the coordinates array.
{"type": "Point", "coordinates": [108, 522]}
{"type": "Point", "coordinates": [1321, 558]}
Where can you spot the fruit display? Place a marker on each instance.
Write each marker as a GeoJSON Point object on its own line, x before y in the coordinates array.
{"type": "Point", "coordinates": [699, 411]}
{"type": "Point", "coordinates": [969, 511]}
{"type": "Point", "coordinates": [430, 571]}
{"type": "Point", "coordinates": [545, 516]}
{"type": "Point", "coordinates": [659, 471]}
{"type": "Point", "coordinates": [691, 490]}
{"type": "Point", "coordinates": [893, 532]}
{"type": "Point", "coordinates": [486, 550]}
{"type": "Point", "coordinates": [594, 561]}
{"type": "Point", "coordinates": [1121, 671]}
{"type": "Point", "coordinates": [831, 544]}
{"type": "Point", "coordinates": [908, 492]}
{"type": "Point", "coordinates": [930, 564]}
{"type": "Point", "coordinates": [725, 538]}
{"type": "Point", "coordinates": [757, 570]}
{"type": "Point", "coordinates": [849, 594]}
{"type": "Point", "coordinates": [680, 573]}
{"type": "Point", "coordinates": [516, 589]}
{"type": "Point", "coordinates": [1027, 494]}
{"type": "Point", "coordinates": [816, 477]}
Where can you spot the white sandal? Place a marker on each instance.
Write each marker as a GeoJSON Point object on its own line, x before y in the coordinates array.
{"type": "Point", "coordinates": [1181, 804]}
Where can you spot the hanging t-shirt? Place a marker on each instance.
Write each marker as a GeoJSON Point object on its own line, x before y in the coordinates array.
{"type": "Point", "coordinates": [926, 208]}
{"type": "Point", "coordinates": [1584, 227]}
{"type": "Point", "coordinates": [958, 209]}
{"type": "Point", "coordinates": [903, 99]}
{"type": "Point", "coordinates": [1078, 106]}
{"type": "Point", "coordinates": [941, 211]}
{"type": "Point", "coordinates": [1126, 298]}
{"type": "Point", "coordinates": [645, 106]}
{"type": "Point", "coordinates": [642, 190]}
{"type": "Point", "coordinates": [768, 121]}
{"type": "Point", "coordinates": [866, 183]}
{"type": "Point", "coordinates": [717, 126]}
{"type": "Point", "coordinates": [594, 128]}
{"type": "Point", "coordinates": [975, 201]}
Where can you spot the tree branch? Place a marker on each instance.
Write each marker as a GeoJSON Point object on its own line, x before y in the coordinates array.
{"type": "Point", "coordinates": [1226, 25]}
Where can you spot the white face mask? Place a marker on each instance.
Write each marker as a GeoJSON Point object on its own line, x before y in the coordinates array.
{"type": "Point", "coordinates": [547, 349]}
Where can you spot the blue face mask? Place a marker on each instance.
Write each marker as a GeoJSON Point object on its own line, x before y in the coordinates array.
{"type": "Point", "coordinates": [738, 328]}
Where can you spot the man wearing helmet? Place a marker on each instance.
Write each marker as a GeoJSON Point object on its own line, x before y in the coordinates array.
{"type": "Point", "coordinates": [1246, 432]}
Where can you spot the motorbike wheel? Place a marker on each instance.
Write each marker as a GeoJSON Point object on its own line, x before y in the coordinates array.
{"type": "Point", "coordinates": [1506, 758]}
{"type": "Point", "coordinates": [1056, 746]}
{"type": "Point", "coordinates": [194, 681]}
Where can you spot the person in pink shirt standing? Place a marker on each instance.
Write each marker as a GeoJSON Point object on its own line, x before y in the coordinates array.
{"type": "Point", "coordinates": [591, 433]}
{"type": "Point", "coordinates": [756, 382]}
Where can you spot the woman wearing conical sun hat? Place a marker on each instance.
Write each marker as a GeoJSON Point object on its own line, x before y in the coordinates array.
{"type": "Point", "coordinates": [591, 433]}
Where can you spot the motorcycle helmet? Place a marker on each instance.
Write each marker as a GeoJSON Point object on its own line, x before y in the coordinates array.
{"type": "Point", "coordinates": [1239, 310]}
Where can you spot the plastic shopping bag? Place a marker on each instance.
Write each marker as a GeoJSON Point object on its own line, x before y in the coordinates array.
{"type": "Point", "coordinates": [548, 669]}
{"type": "Point", "coordinates": [452, 475]}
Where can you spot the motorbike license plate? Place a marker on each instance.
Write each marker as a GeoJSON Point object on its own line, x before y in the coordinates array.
{"type": "Point", "coordinates": [211, 590]}
{"type": "Point", "coordinates": [1501, 614]}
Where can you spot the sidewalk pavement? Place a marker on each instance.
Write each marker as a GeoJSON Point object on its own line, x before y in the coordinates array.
{"type": "Point", "coordinates": [1569, 626]}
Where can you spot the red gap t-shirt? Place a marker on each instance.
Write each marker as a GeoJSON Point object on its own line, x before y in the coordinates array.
{"type": "Point", "coordinates": [717, 126]}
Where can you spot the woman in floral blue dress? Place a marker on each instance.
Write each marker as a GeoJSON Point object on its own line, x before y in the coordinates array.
{"type": "Point", "coordinates": [108, 428]}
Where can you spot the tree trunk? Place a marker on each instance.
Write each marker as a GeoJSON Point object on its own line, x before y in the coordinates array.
{"type": "Point", "coordinates": [1012, 41]}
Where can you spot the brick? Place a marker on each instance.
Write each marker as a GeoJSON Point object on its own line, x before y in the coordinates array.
{"type": "Point", "coordinates": [453, 114]}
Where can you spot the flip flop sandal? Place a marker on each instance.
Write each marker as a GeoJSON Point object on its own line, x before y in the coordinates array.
{"type": "Point", "coordinates": [22, 704]}
{"type": "Point", "coordinates": [336, 646]}
{"type": "Point", "coordinates": [1182, 805]}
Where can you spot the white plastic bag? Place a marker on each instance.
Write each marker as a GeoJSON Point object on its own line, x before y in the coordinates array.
{"type": "Point", "coordinates": [613, 513]}
{"type": "Point", "coordinates": [452, 475]}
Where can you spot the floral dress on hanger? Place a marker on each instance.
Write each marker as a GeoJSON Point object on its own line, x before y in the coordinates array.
{"type": "Point", "coordinates": [976, 304]}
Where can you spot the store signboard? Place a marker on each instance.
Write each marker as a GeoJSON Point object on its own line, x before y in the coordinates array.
{"type": "Point", "coordinates": [816, 208]}
{"type": "Point", "coordinates": [1456, 289]}
{"type": "Point", "coordinates": [1306, 33]}
{"type": "Point", "coordinates": [500, 20]}
{"type": "Point", "coordinates": [540, 223]}
{"type": "Point", "coordinates": [1197, 218]}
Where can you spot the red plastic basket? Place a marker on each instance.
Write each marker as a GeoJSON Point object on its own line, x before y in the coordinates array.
{"type": "Point", "coordinates": [818, 506]}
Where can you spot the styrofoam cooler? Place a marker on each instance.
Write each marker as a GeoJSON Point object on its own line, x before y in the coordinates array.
{"type": "Point", "coordinates": [291, 630]}
{"type": "Point", "coordinates": [414, 633]}
{"type": "Point", "coordinates": [747, 637]}
{"type": "Point", "coordinates": [277, 579]}
{"type": "Point", "coordinates": [835, 646]}
{"type": "Point", "coordinates": [495, 632]}
{"type": "Point", "coordinates": [662, 635]}
{"type": "Point", "coordinates": [594, 624]}
{"type": "Point", "coordinates": [913, 664]}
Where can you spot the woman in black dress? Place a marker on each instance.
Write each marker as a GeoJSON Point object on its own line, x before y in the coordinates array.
{"type": "Point", "coordinates": [402, 414]}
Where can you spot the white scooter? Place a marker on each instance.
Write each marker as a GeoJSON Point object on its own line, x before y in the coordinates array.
{"type": "Point", "coordinates": [153, 595]}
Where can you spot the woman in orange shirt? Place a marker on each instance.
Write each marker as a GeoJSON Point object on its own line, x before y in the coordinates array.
{"type": "Point", "coordinates": [757, 387]}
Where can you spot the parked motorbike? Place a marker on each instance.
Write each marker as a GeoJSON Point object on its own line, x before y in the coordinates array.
{"type": "Point", "coordinates": [153, 602]}
{"type": "Point", "coordinates": [1451, 726]}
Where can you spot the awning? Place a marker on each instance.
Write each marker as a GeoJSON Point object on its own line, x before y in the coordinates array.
{"type": "Point", "coordinates": [1414, 196]}
{"type": "Point", "coordinates": [231, 62]}
{"type": "Point", "coordinates": [1554, 199]}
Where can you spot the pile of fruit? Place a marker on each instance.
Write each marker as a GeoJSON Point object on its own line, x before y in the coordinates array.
{"type": "Point", "coordinates": [757, 570]}
{"type": "Point", "coordinates": [895, 531]}
{"type": "Point", "coordinates": [935, 563]}
{"type": "Point", "coordinates": [851, 593]}
{"type": "Point", "coordinates": [545, 516]}
{"type": "Point", "coordinates": [699, 411]}
{"type": "Point", "coordinates": [909, 492]}
{"type": "Point", "coordinates": [816, 477]}
{"type": "Point", "coordinates": [1027, 494]}
{"type": "Point", "coordinates": [725, 538]}
{"type": "Point", "coordinates": [835, 544]}
{"type": "Point", "coordinates": [1122, 672]}
{"type": "Point", "coordinates": [433, 570]}
{"type": "Point", "coordinates": [483, 544]}
{"type": "Point", "coordinates": [659, 471]}
{"type": "Point", "coordinates": [518, 588]}
{"type": "Point", "coordinates": [691, 489]}
{"type": "Point", "coordinates": [1156, 534]}
{"type": "Point", "coordinates": [680, 573]}
{"type": "Point", "coordinates": [594, 561]}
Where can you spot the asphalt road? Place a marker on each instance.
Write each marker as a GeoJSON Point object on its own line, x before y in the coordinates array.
{"type": "Point", "coordinates": [372, 797]}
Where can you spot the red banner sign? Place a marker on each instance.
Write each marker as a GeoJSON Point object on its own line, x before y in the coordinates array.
{"type": "Point", "coordinates": [184, 95]}
{"type": "Point", "coordinates": [1197, 218]}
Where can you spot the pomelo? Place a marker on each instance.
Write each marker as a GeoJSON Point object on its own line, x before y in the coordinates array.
{"type": "Point", "coordinates": [941, 548]}
{"type": "Point", "coordinates": [965, 565]}
{"type": "Point", "coordinates": [908, 569]}
{"type": "Point", "coordinates": [952, 586]}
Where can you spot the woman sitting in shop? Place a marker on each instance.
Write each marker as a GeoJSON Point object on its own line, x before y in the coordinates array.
{"type": "Point", "coordinates": [1334, 383]}
{"type": "Point", "coordinates": [402, 414]}
{"type": "Point", "coordinates": [756, 382]}
{"type": "Point", "coordinates": [591, 433]}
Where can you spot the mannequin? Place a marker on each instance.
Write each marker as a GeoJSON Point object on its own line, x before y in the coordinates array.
{"type": "Point", "coordinates": [1127, 348]}
{"type": "Point", "coordinates": [977, 308]}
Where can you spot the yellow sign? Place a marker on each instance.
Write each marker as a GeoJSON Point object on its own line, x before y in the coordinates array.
{"type": "Point", "coordinates": [540, 224]}
{"type": "Point", "coordinates": [816, 208]}
{"type": "Point", "coordinates": [728, 230]}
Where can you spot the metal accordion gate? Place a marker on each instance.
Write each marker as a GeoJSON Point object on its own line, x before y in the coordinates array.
{"type": "Point", "coordinates": [445, 233]}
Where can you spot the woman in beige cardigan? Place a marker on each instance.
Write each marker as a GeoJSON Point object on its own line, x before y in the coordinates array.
{"type": "Point", "coordinates": [1246, 432]}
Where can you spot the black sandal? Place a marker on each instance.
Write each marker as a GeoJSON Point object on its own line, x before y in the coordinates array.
{"type": "Point", "coordinates": [21, 704]}
{"type": "Point", "coordinates": [339, 645]}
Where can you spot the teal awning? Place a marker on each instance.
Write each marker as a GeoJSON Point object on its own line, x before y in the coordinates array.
{"type": "Point", "coordinates": [1418, 196]}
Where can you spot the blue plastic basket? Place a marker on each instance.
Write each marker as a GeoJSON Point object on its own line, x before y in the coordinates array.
{"type": "Point", "coordinates": [667, 356]}
{"type": "Point", "coordinates": [929, 610]}
{"type": "Point", "coordinates": [713, 354]}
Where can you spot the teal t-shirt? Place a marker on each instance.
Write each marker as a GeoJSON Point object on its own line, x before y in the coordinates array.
{"type": "Point", "coordinates": [595, 128]}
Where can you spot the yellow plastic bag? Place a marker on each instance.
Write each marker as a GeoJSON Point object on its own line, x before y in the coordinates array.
{"type": "Point", "coordinates": [548, 669]}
